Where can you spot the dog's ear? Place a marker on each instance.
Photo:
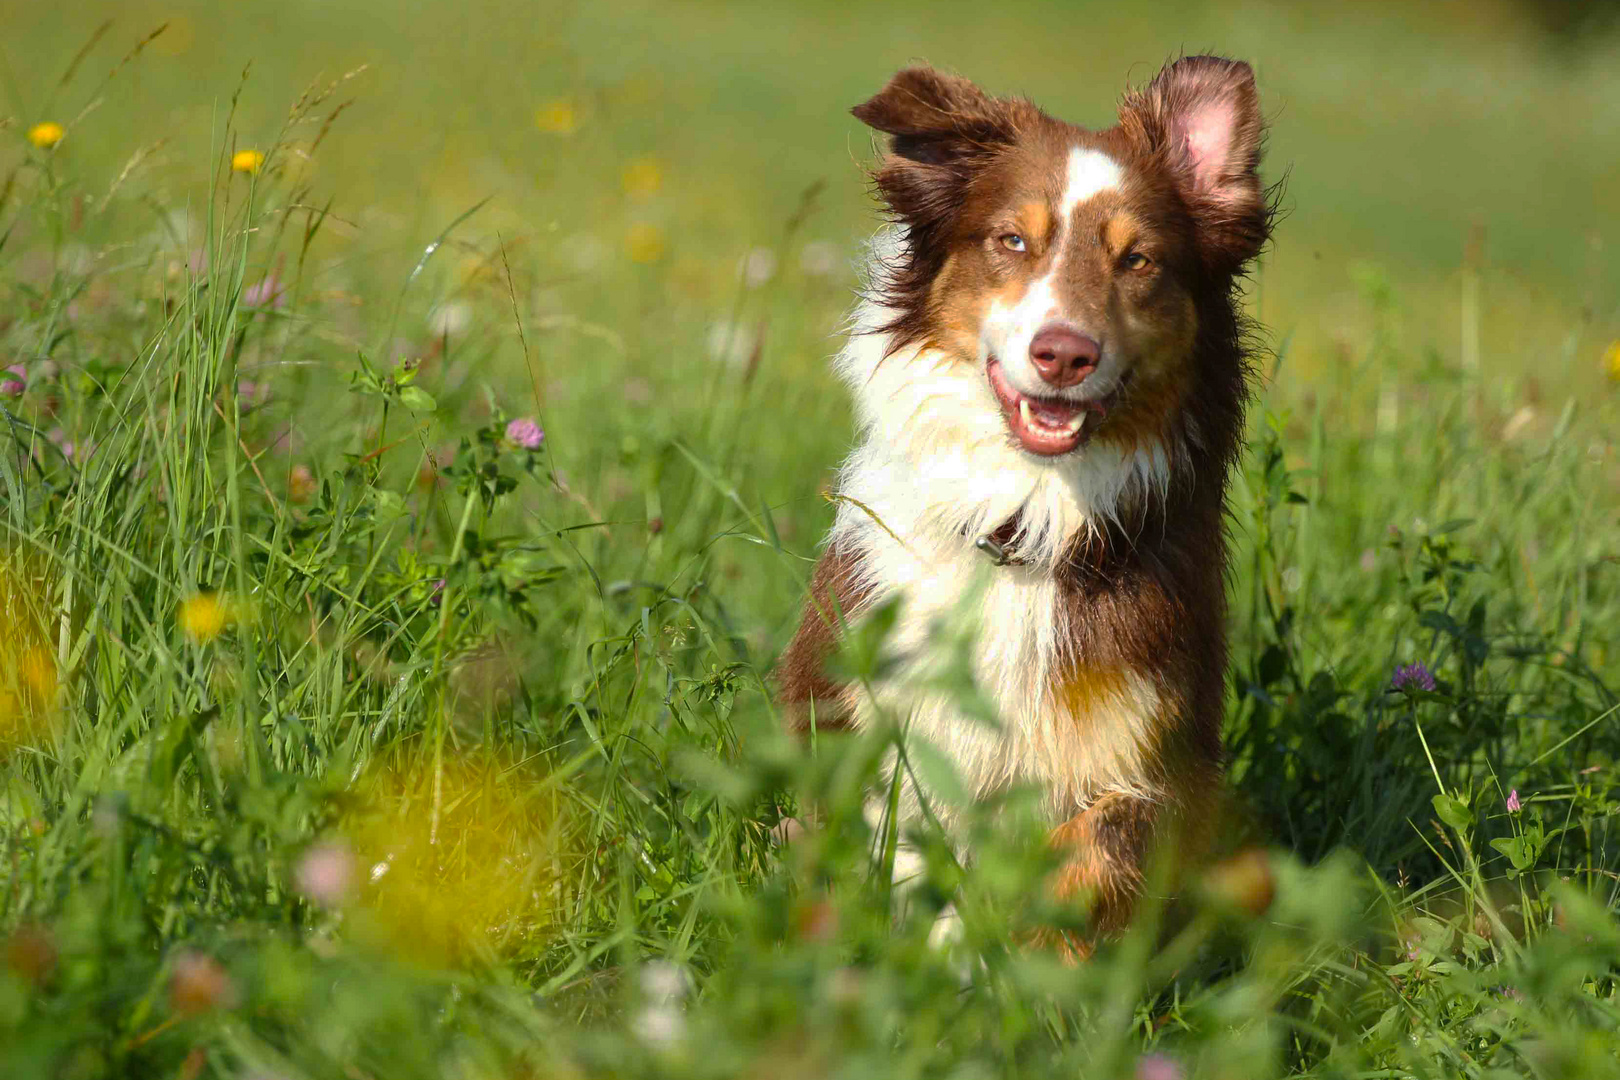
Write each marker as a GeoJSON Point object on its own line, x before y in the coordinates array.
{"type": "Point", "coordinates": [934, 118]}
{"type": "Point", "coordinates": [941, 128]}
{"type": "Point", "coordinates": [1202, 114]}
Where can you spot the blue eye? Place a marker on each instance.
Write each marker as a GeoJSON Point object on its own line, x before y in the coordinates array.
{"type": "Point", "coordinates": [1013, 242]}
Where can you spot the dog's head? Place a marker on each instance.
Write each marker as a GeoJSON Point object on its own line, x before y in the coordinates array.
{"type": "Point", "coordinates": [1066, 271]}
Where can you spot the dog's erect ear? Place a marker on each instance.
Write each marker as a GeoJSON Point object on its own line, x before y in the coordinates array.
{"type": "Point", "coordinates": [942, 131]}
{"type": "Point", "coordinates": [934, 118]}
{"type": "Point", "coordinates": [1203, 114]}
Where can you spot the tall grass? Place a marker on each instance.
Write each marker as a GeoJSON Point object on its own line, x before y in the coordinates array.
{"type": "Point", "coordinates": [344, 734]}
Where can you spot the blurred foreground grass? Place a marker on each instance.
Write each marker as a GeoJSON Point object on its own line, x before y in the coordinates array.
{"type": "Point", "coordinates": [389, 574]}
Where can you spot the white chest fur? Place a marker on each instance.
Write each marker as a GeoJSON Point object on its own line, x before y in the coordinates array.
{"type": "Point", "coordinates": [935, 469]}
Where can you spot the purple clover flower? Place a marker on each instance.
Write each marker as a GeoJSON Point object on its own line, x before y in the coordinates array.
{"type": "Point", "coordinates": [1158, 1067]}
{"type": "Point", "coordinates": [12, 387]}
{"type": "Point", "coordinates": [250, 395]}
{"type": "Point", "coordinates": [1412, 677]}
{"type": "Point", "coordinates": [525, 433]}
{"type": "Point", "coordinates": [1513, 804]}
{"type": "Point", "coordinates": [265, 293]}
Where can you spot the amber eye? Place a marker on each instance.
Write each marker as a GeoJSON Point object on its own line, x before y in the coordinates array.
{"type": "Point", "coordinates": [1012, 242]}
{"type": "Point", "coordinates": [1137, 261]}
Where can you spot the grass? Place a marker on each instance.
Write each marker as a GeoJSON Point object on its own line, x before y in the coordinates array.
{"type": "Point", "coordinates": [341, 735]}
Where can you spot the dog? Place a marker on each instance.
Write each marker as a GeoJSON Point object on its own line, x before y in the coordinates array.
{"type": "Point", "coordinates": [1050, 369]}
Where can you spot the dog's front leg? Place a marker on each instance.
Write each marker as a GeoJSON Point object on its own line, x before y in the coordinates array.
{"type": "Point", "coordinates": [1106, 848]}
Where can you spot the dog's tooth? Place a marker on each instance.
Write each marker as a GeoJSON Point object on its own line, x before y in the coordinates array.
{"type": "Point", "coordinates": [1073, 427]}
{"type": "Point", "coordinates": [1023, 412]}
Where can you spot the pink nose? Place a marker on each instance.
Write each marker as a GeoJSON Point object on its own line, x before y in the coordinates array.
{"type": "Point", "coordinates": [1064, 357]}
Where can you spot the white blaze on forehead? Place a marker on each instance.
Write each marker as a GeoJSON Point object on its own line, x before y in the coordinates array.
{"type": "Point", "coordinates": [1091, 172]}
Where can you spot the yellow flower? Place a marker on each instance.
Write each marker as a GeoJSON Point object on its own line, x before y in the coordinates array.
{"type": "Point", "coordinates": [46, 135]}
{"type": "Point", "coordinates": [28, 675]}
{"type": "Point", "coordinates": [642, 178]}
{"type": "Point", "coordinates": [456, 861]}
{"type": "Point", "coordinates": [205, 616]}
{"type": "Point", "coordinates": [247, 161]}
{"type": "Point", "coordinates": [644, 243]}
{"type": "Point", "coordinates": [557, 117]}
{"type": "Point", "coordinates": [1611, 360]}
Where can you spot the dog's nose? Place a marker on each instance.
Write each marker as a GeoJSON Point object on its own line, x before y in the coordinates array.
{"type": "Point", "coordinates": [1063, 356]}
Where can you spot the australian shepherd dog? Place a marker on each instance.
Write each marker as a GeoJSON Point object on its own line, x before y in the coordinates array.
{"type": "Point", "coordinates": [1050, 374]}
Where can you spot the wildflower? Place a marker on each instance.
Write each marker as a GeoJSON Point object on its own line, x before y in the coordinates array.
{"type": "Point", "coordinates": [557, 117]}
{"type": "Point", "coordinates": [301, 484]}
{"type": "Point", "coordinates": [732, 343]}
{"type": "Point", "coordinates": [1513, 804]}
{"type": "Point", "coordinates": [644, 243]}
{"type": "Point", "coordinates": [758, 267]}
{"type": "Point", "coordinates": [525, 433]}
{"type": "Point", "coordinates": [1412, 677]}
{"type": "Point", "coordinates": [451, 318]}
{"type": "Point", "coordinates": [819, 258]}
{"type": "Point", "coordinates": [250, 395]}
{"type": "Point", "coordinates": [642, 178]}
{"type": "Point", "coordinates": [246, 161]}
{"type": "Point", "coordinates": [326, 873]}
{"type": "Point", "coordinates": [660, 1023]}
{"type": "Point", "coordinates": [199, 984]}
{"type": "Point", "coordinates": [1158, 1067]}
{"type": "Point", "coordinates": [205, 616]}
{"type": "Point", "coordinates": [46, 135]}
{"type": "Point", "coordinates": [31, 953]}
{"type": "Point", "coordinates": [1611, 360]}
{"type": "Point", "coordinates": [266, 293]}
{"type": "Point", "coordinates": [10, 387]}
{"type": "Point", "coordinates": [436, 592]}
{"type": "Point", "coordinates": [1245, 882]}
{"type": "Point", "coordinates": [636, 390]}
{"type": "Point", "coordinates": [816, 920]}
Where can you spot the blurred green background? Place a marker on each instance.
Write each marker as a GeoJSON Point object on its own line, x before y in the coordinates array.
{"type": "Point", "coordinates": [1416, 138]}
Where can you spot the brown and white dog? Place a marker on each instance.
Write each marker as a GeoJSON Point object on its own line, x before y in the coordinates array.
{"type": "Point", "coordinates": [1049, 368]}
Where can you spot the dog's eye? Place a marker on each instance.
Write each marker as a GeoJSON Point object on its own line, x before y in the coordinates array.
{"type": "Point", "coordinates": [1012, 242]}
{"type": "Point", "coordinates": [1137, 261]}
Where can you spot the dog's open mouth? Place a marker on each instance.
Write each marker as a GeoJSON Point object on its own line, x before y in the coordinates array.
{"type": "Point", "coordinates": [1046, 426]}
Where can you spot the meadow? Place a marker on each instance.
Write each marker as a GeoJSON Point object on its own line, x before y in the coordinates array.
{"type": "Point", "coordinates": [416, 428]}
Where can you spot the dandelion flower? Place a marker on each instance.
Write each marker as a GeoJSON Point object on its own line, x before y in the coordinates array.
{"type": "Point", "coordinates": [557, 117]}
{"type": "Point", "coordinates": [645, 243]}
{"type": "Point", "coordinates": [246, 161]}
{"type": "Point", "coordinates": [1513, 804]}
{"type": "Point", "coordinates": [205, 616]}
{"type": "Point", "coordinates": [1412, 677]}
{"type": "Point", "coordinates": [1611, 360]}
{"type": "Point", "coordinates": [46, 135]}
{"type": "Point", "coordinates": [642, 178]}
{"type": "Point", "coordinates": [525, 433]}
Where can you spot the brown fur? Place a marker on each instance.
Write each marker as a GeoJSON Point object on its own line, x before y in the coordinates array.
{"type": "Point", "coordinates": [1147, 596]}
{"type": "Point", "coordinates": [803, 688]}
